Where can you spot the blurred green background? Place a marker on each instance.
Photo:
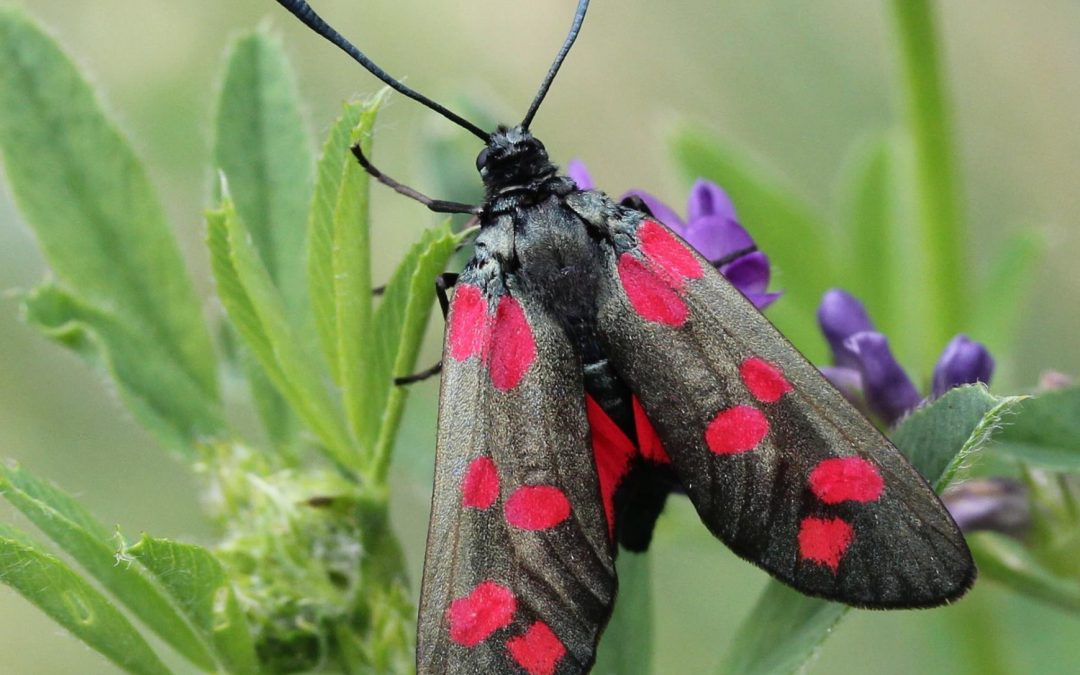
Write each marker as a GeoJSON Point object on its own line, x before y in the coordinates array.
{"type": "Point", "coordinates": [793, 82]}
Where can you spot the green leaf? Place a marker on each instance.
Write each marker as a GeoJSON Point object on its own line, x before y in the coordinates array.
{"type": "Point", "coordinates": [398, 329]}
{"type": "Point", "coordinates": [198, 584]}
{"type": "Point", "coordinates": [73, 603]}
{"type": "Point", "coordinates": [783, 633]}
{"type": "Point", "coordinates": [627, 645]}
{"type": "Point", "coordinates": [87, 541]}
{"type": "Point", "coordinates": [939, 438]}
{"type": "Point", "coordinates": [784, 226]}
{"type": "Point", "coordinates": [96, 216]}
{"type": "Point", "coordinates": [1045, 431]}
{"type": "Point", "coordinates": [1006, 290]}
{"type": "Point", "coordinates": [869, 237]}
{"type": "Point", "coordinates": [159, 392]}
{"type": "Point", "coordinates": [350, 261]}
{"type": "Point", "coordinates": [264, 151]}
{"type": "Point", "coordinates": [320, 263]}
{"type": "Point", "coordinates": [785, 630]}
{"type": "Point", "coordinates": [259, 315]}
{"type": "Point", "coordinates": [1009, 562]}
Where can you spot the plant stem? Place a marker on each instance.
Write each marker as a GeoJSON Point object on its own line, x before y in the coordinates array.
{"type": "Point", "coordinates": [940, 219]}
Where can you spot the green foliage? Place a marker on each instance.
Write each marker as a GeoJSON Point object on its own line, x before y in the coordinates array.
{"type": "Point", "coordinates": [308, 571]}
{"type": "Point", "coordinates": [1045, 431]}
{"type": "Point", "coordinates": [785, 630]}
{"type": "Point", "coordinates": [121, 295]}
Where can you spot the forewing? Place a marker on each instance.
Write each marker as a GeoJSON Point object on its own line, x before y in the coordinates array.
{"type": "Point", "coordinates": [519, 573]}
{"type": "Point", "coordinates": [778, 464]}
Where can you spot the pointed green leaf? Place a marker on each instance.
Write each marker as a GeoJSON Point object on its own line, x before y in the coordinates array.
{"type": "Point", "coordinates": [785, 630]}
{"type": "Point", "coordinates": [73, 603]}
{"type": "Point", "coordinates": [868, 243]}
{"type": "Point", "coordinates": [89, 543]}
{"type": "Point", "coordinates": [939, 438]}
{"type": "Point", "coordinates": [161, 394]}
{"type": "Point", "coordinates": [627, 645]}
{"type": "Point", "coordinates": [257, 312]}
{"type": "Point", "coordinates": [350, 261]}
{"type": "Point", "coordinates": [999, 305]}
{"type": "Point", "coordinates": [398, 330]}
{"type": "Point", "coordinates": [320, 263]}
{"type": "Point", "coordinates": [88, 198]}
{"type": "Point", "coordinates": [263, 149]}
{"type": "Point", "coordinates": [198, 584]}
{"type": "Point", "coordinates": [1045, 431]}
{"type": "Point", "coordinates": [785, 227]}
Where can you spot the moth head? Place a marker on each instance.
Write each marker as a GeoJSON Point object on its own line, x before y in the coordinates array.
{"type": "Point", "coordinates": [513, 156]}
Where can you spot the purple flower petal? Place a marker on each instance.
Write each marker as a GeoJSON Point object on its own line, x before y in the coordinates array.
{"type": "Point", "coordinates": [998, 504]}
{"type": "Point", "coordinates": [964, 361]}
{"type": "Point", "coordinates": [889, 391]}
{"type": "Point", "coordinates": [762, 300]}
{"type": "Point", "coordinates": [840, 316]}
{"type": "Point", "coordinates": [707, 199]}
{"type": "Point", "coordinates": [748, 273]}
{"type": "Point", "coordinates": [716, 238]}
{"type": "Point", "coordinates": [661, 211]}
{"type": "Point", "coordinates": [575, 168]}
{"type": "Point", "coordinates": [847, 381]}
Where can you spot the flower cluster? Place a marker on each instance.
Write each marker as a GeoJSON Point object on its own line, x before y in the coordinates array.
{"type": "Point", "coordinates": [865, 370]}
{"type": "Point", "coordinates": [712, 228]}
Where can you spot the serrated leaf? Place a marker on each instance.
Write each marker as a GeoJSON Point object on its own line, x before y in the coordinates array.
{"type": "Point", "coordinates": [627, 645]}
{"type": "Point", "coordinates": [198, 584]}
{"type": "Point", "coordinates": [940, 437]}
{"type": "Point", "coordinates": [264, 151]}
{"type": "Point", "coordinates": [257, 312]}
{"type": "Point", "coordinates": [398, 329]}
{"type": "Point", "coordinates": [1044, 431]}
{"type": "Point", "coordinates": [90, 203]}
{"type": "Point", "coordinates": [50, 584]}
{"type": "Point", "coordinates": [88, 542]}
{"type": "Point", "coordinates": [784, 631]}
{"type": "Point", "coordinates": [320, 227]}
{"type": "Point", "coordinates": [784, 226]}
{"type": "Point", "coordinates": [161, 394]}
{"type": "Point", "coordinates": [350, 261]}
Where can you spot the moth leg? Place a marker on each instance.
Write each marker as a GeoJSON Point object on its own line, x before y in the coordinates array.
{"type": "Point", "coordinates": [443, 283]}
{"type": "Point", "coordinates": [437, 205]}
{"type": "Point", "coordinates": [419, 377]}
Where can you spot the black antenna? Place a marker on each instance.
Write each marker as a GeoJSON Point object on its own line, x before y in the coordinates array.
{"type": "Point", "coordinates": [303, 11]}
{"type": "Point", "coordinates": [579, 16]}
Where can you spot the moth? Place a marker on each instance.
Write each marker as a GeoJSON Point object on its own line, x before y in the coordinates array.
{"type": "Point", "coordinates": [593, 364]}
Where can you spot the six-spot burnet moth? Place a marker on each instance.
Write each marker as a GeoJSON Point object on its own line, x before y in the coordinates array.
{"type": "Point", "coordinates": [594, 363]}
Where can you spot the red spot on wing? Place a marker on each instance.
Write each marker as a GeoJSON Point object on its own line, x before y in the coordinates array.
{"type": "Point", "coordinates": [480, 488]}
{"type": "Point", "coordinates": [537, 507]}
{"type": "Point", "coordinates": [612, 452]}
{"type": "Point", "coordinates": [651, 296]}
{"type": "Point", "coordinates": [513, 348]}
{"type": "Point", "coordinates": [736, 429]}
{"type": "Point", "coordinates": [648, 442]}
{"type": "Point", "coordinates": [824, 540]}
{"type": "Point", "coordinates": [764, 380]}
{"type": "Point", "coordinates": [479, 614]}
{"type": "Point", "coordinates": [668, 253]}
{"type": "Point", "coordinates": [844, 479]}
{"type": "Point", "coordinates": [538, 650]}
{"type": "Point", "coordinates": [468, 330]}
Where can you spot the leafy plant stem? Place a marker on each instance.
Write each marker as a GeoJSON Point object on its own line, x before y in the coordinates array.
{"type": "Point", "coordinates": [939, 214]}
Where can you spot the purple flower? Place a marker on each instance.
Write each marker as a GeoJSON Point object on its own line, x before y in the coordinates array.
{"type": "Point", "coordinates": [997, 504]}
{"type": "Point", "coordinates": [864, 364]}
{"type": "Point", "coordinates": [711, 227]}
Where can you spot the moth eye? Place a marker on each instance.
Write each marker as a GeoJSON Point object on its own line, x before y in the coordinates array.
{"type": "Point", "coordinates": [481, 159]}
